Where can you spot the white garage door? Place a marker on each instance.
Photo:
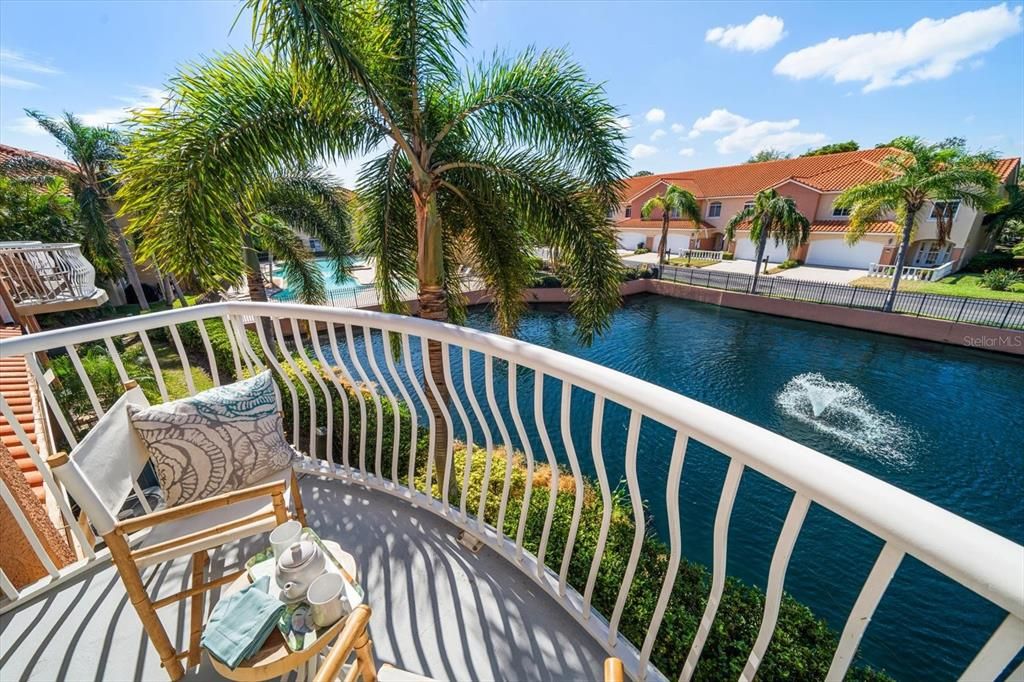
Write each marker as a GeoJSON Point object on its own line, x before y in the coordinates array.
{"type": "Point", "coordinates": [677, 243]}
{"type": "Point", "coordinates": [629, 240]}
{"type": "Point", "coordinates": [836, 253]}
{"type": "Point", "coordinates": [746, 250]}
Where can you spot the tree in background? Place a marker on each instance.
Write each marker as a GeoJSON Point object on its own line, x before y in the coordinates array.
{"type": "Point", "coordinates": [1006, 226]}
{"type": "Point", "coordinates": [768, 155]}
{"type": "Point", "coordinates": [46, 214]}
{"type": "Point", "coordinates": [90, 176]}
{"type": "Point", "coordinates": [771, 215]}
{"type": "Point", "coordinates": [674, 201]}
{"type": "Point", "coordinates": [487, 162]}
{"type": "Point", "coordinates": [642, 173]}
{"type": "Point", "coordinates": [834, 148]}
{"type": "Point", "coordinates": [920, 173]}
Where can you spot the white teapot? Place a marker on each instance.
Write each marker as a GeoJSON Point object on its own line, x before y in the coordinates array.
{"type": "Point", "coordinates": [297, 567]}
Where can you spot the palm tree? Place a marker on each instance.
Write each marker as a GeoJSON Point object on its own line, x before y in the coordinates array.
{"type": "Point", "coordinates": [999, 223]}
{"type": "Point", "coordinates": [771, 215]}
{"type": "Point", "coordinates": [488, 162]}
{"type": "Point", "coordinates": [916, 173]}
{"type": "Point", "coordinates": [91, 178]}
{"type": "Point", "coordinates": [674, 200]}
{"type": "Point", "coordinates": [308, 200]}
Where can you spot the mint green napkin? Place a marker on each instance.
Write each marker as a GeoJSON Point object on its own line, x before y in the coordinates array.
{"type": "Point", "coordinates": [241, 623]}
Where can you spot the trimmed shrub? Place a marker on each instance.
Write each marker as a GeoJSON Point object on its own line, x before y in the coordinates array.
{"type": "Point", "coordinates": [789, 263]}
{"type": "Point", "coordinates": [640, 250]}
{"type": "Point", "coordinates": [802, 645]}
{"type": "Point", "coordinates": [727, 255]}
{"type": "Point", "coordinates": [984, 262]}
{"type": "Point", "coordinates": [1001, 279]}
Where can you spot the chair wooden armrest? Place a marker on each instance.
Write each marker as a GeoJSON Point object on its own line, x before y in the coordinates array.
{"type": "Point", "coordinates": [352, 637]}
{"type": "Point", "coordinates": [613, 670]}
{"type": "Point", "coordinates": [274, 490]}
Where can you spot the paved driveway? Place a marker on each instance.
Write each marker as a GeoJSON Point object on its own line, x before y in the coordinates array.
{"type": "Point", "coordinates": [817, 273]}
{"type": "Point", "coordinates": [745, 267]}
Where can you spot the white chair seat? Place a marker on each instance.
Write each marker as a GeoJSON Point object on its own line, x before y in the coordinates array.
{"type": "Point", "coordinates": [215, 517]}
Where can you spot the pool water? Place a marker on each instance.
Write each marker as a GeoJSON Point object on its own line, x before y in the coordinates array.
{"type": "Point", "coordinates": [941, 422]}
{"type": "Point", "coordinates": [333, 284]}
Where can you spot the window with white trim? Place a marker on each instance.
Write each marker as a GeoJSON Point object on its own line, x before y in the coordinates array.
{"type": "Point", "coordinates": [749, 204]}
{"type": "Point", "coordinates": [840, 212]}
{"type": "Point", "coordinates": [315, 245]}
{"type": "Point", "coordinates": [715, 209]}
{"type": "Point", "coordinates": [946, 209]}
{"type": "Point", "coordinates": [629, 210]}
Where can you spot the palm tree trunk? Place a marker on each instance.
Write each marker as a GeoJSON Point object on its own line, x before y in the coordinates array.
{"type": "Point", "coordinates": [901, 258]}
{"type": "Point", "coordinates": [433, 305]}
{"type": "Point", "coordinates": [127, 257]}
{"type": "Point", "coordinates": [761, 243]}
{"type": "Point", "coordinates": [664, 239]}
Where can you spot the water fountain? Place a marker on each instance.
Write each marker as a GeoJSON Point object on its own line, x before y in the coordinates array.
{"type": "Point", "coordinates": [841, 410]}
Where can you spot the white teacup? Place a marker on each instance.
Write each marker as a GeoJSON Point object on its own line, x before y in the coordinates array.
{"type": "Point", "coordinates": [326, 598]}
{"type": "Point", "coordinates": [284, 536]}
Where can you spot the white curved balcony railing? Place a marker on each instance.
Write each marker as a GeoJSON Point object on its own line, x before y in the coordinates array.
{"type": "Point", "coordinates": [37, 275]}
{"type": "Point", "coordinates": [389, 356]}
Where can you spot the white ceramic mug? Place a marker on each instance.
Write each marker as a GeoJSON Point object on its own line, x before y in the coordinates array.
{"type": "Point", "coordinates": [326, 598]}
{"type": "Point", "coordinates": [284, 536]}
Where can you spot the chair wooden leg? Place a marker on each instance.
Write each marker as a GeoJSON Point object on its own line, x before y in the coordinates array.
{"type": "Point", "coordinates": [280, 510]}
{"type": "Point", "coordinates": [120, 554]}
{"type": "Point", "coordinates": [199, 562]}
{"type": "Point", "coordinates": [300, 511]}
{"type": "Point", "coordinates": [364, 657]}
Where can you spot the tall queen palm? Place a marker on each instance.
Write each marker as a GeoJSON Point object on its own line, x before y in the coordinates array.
{"type": "Point", "coordinates": [918, 172]}
{"type": "Point", "coordinates": [674, 200]}
{"type": "Point", "coordinates": [485, 163]}
{"type": "Point", "coordinates": [770, 216]}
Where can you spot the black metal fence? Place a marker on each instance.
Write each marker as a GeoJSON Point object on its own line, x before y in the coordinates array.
{"type": "Point", "coordinates": [988, 312]}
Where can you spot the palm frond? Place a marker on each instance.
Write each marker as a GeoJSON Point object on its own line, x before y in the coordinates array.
{"type": "Point", "coordinates": [300, 269]}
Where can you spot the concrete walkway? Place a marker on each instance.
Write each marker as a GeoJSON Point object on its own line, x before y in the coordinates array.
{"type": "Point", "coordinates": [819, 273]}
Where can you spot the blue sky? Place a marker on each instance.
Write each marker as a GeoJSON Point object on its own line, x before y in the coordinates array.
{"type": "Point", "coordinates": [719, 80]}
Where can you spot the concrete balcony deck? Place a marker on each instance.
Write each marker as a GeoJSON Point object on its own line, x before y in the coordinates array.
{"type": "Point", "coordinates": [438, 609]}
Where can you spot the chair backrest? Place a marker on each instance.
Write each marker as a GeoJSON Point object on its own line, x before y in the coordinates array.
{"type": "Point", "coordinates": [103, 467]}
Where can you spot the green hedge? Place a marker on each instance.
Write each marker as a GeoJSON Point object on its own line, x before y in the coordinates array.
{"type": "Point", "coordinates": [802, 645]}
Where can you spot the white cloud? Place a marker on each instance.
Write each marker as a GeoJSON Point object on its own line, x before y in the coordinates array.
{"type": "Point", "coordinates": [642, 151]}
{"type": "Point", "coordinates": [760, 34]}
{"type": "Point", "coordinates": [624, 122]}
{"type": "Point", "coordinates": [718, 121]}
{"type": "Point", "coordinates": [931, 49]}
{"type": "Point", "coordinates": [17, 83]}
{"type": "Point", "coordinates": [9, 59]}
{"type": "Point", "coordinates": [754, 137]}
{"type": "Point", "coordinates": [657, 134]}
{"type": "Point", "coordinates": [145, 97]}
{"type": "Point", "coordinates": [678, 127]}
{"type": "Point", "coordinates": [687, 151]}
{"type": "Point", "coordinates": [655, 115]}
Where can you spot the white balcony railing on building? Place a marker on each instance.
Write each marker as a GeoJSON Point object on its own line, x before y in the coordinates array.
{"type": "Point", "coordinates": [700, 255]}
{"type": "Point", "coordinates": [38, 274]}
{"type": "Point", "coordinates": [922, 274]}
{"type": "Point", "coordinates": [500, 388]}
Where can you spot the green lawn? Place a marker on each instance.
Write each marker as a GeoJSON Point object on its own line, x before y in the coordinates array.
{"type": "Point", "coordinates": [167, 358]}
{"type": "Point", "coordinates": [961, 284]}
{"type": "Point", "coordinates": [692, 263]}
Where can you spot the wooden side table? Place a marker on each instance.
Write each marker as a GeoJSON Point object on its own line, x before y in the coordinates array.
{"type": "Point", "coordinates": [275, 659]}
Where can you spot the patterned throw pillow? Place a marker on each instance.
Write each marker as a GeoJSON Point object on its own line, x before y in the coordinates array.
{"type": "Point", "coordinates": [223, 439]}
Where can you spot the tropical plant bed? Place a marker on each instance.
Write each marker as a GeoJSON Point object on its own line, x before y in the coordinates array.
{"type": "Point", "coordinates": [691, 262]}
{"type": "Point", "coordinates": [967, 285]}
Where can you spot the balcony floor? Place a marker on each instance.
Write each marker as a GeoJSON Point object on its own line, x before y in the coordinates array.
{"type": "Point", "coordinates": [438, 610]}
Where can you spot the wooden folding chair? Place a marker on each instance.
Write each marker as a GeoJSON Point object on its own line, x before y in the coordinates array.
{"type": "Point", "coordinates": [101, 472]}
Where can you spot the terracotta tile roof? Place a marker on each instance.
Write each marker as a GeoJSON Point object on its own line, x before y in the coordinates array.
{"type": "Point", "coordinates": [828, 172]}
{"type": "Point", "coordinates": [656, 224]}
{"type": "Point", "coordinates": [8, 152]}
{"type": "Point", "coordinates": [14, 386]}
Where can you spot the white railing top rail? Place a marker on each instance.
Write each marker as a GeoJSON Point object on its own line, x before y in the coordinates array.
{"type": "Point", "coordinates": [983, 561]}
{"type": "Point", "coordinates": [38, 246]}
